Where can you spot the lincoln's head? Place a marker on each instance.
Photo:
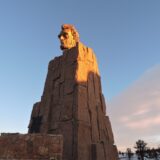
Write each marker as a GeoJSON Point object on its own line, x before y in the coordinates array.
{"type": "Point", "coordinates": [68, 36]}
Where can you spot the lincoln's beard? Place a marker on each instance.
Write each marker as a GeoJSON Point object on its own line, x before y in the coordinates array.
{"type": "Point", "coordinates": [67, 47]}
{"type": "Point", "coordinates": [63, 48]}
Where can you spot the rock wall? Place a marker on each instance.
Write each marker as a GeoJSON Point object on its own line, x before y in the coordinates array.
{"type": "Point", "coordinates": [31, 147]}
{"type": "Point", "coordinates": [73, 105]}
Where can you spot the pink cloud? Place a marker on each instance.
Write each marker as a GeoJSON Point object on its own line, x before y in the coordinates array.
{"type": "Point", "coordinates": [141, 112]}
{"type": "Point", "coordinates": [144, 123]}
{"type": "Point", "coordinates": [135, 113]}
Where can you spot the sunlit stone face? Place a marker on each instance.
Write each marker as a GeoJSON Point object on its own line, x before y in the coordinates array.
{"type": "Point", "coordinates": [66, 39]}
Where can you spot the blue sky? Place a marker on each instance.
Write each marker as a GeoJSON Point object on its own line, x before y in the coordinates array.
{"type": "Point", "coordinates": [124, 34]}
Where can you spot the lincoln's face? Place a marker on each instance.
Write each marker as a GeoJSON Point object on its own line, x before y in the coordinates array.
{"type": "Point", "coordinates": [66, 39]}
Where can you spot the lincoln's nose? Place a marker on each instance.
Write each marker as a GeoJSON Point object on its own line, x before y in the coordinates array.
{"type": "Point", "coordinates": [61, 37]}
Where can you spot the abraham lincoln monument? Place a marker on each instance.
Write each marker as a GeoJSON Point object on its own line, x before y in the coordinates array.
{"type": "Point", "coordinates": [72, 106]}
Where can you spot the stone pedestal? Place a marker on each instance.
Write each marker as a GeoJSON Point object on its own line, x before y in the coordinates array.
{"type": "Point", "coordinates": [73, 105]}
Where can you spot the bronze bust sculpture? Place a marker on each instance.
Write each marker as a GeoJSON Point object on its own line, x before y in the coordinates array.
{"type": "Point", "coordinates": [68, 36]}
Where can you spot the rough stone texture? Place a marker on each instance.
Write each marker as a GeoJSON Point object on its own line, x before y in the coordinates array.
{"type": "Point", "coordinates": [31, 147]}
{"type": "Point", "coordinates": [73, 105]}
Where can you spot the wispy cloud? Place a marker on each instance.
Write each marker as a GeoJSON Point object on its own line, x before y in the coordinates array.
{"type": "Point", "coordinates": [146, 123]}
{"type": "Point", "coordinates": [135, 113]}
{"type": "Point", "coordinates": [141, 111]}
